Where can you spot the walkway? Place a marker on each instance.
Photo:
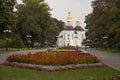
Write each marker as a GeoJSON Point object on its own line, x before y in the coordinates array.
{"type": "Point", "coordinates": [110, 59]}
{"type": "Point", "coordinates": [5, 55]}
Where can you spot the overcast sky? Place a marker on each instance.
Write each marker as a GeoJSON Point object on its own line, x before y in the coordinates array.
{"type": "Point", "coordinates": [78, 8]}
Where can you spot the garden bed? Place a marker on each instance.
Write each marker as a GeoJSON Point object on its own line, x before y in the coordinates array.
{"type": "Point", "coordinates": [66, 48]}
{"type": "Point", "coordinates": [53, 61]}
{"type": "Point", "coordinates": [51, 68]}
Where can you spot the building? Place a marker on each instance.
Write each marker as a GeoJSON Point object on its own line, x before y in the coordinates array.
{"type": "Point", "coordinates": [71, 36]}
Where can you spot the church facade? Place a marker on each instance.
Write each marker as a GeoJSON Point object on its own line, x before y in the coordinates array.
{"type": "Point", "coordinates": [71, 36]}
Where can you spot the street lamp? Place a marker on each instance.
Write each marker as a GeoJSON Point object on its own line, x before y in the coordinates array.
{"type": "Point", "coordinates": [7, 31]}
{"type": "Point", "coordinates": [105, 42]}
{"type": "Point", "coordinates": [29, 40]}
{"type": "Point", "coordinates": [105, 37]}
{"type": "Point", "coordinates": [29, 36]}
{"type": "Point", "coordinates": [46, 43]}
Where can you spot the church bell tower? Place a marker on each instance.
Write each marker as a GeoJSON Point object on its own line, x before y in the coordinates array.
{"type": "Point", "coordinates": [78, 22]}
{"type": "Point", "coordinates": [69, 19]}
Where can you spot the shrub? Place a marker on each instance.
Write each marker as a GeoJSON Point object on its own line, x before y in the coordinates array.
{"type": "Point", "coordinates": [17, 42]}
{"type": "Point", "coordinates": [2, 43]}
{"type": "Point", "coordinates": [67, 48]}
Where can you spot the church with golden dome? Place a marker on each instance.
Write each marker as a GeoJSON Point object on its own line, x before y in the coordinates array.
{"type": "Point", "coordinates": [71, 36]}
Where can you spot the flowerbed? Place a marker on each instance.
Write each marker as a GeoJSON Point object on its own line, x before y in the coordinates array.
{"type": "Point", "coordinates": [53, 61]}
{"type": "Point", "coordinates": [53, 58]}
{"type": "Point", "coordinates": [67, 48]}
{"type": "Point", "coordinates": [53, 68]}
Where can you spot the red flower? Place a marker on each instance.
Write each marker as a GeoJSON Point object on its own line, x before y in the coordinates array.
{"type": "Point", "coordinates": [53, 58]}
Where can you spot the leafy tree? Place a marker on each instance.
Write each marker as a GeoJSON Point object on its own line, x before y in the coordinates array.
{"type": "Point", "coordinates": [17, 42]}
{"type": "Point", "coordinates": [7, 16]}
{"type": "Point", "coordinates": [2, 43]}
{"type": "Point", "coordinates": [53, 31]}
{"type": "Point", "coordinates": [33, 18]}
{"type": "Point", "coordinates": [59, 23]}
{"type": "Point", "coordinates": [104, 21]}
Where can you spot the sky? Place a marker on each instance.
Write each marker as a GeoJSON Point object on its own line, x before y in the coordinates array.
{"type": "Point", "coordinates": [78, 8]}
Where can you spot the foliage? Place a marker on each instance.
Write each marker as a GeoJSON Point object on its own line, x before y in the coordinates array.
{"type": "Point", "coordinates": [31, 18]}
{"type": "Point", "coordinates": [59, 23]}
{"type": "Point", "coordinates": [53, 30]}
{"type": "Point", "coordinates": [104, 21]}
{"type": "Point", "coordinates": [17, 42]}
{"type": "Point", "coordinates": [2, 43]}
{"type": "Point", "coordinates": [35, 19]}
{"type": "Point", "coordinates": [53, 58]}
{"type": "Point", "coordinates": [7, 16]}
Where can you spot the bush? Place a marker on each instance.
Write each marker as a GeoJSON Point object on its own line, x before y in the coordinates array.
{"type": "Point", "coordinates": [67, 48]}
{"type": "Point", "coordinates": [17, 42]}
{"type": "Point", "coordinates": [2, 43]}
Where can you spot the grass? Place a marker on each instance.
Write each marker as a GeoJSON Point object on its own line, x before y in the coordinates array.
{"type": "Point", "coordinates": [3, 50]}
{"type": "Point", "coordinates": [12, 73]}
{"type": "Point", "coordinates": [109, 50]}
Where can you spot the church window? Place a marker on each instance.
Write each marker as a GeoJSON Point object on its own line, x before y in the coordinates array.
{"type": "Point", "coordinates": [75, 32]}
{"type": "Point", "coordinates": [64, 36]}
{"type": "Point", "coordinates": [82, 36]}
{"type": "Point", "coordinates": [72, 36]}
{"type": "Point", "coordinates": [68, 44]}
{"type": "Point", "coordinates": [75, 37]}
{"type": "Point", "coordinates": [61, 36]}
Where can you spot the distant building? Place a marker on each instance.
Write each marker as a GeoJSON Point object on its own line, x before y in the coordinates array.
{"type": "Point", "coordinates": [71, 36]}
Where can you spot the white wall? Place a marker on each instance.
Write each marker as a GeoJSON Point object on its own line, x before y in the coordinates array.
{"type": "Point", "coordinates": [70, 38]}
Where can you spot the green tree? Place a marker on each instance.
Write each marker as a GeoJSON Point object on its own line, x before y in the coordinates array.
{"type": "Point", "coordinates": [60, 24]}
{"type": "Point", "coordinates": [33, 19]}
{"type": "Point", "coordinates": [7, 16]}
{"type": "Point", "coordinates": [2, 43]}
{"type": "Point", "coordinates": [53, 31]}
{"type": "Point", "coordinates": [104, 21]}
{"type": "Point", "coordinates": [17, 42]}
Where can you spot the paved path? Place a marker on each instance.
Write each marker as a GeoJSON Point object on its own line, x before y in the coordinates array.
{"type": "Point", "coordinates": [110, 59]}
{"type": "Point", "coordinates": [5, 55]}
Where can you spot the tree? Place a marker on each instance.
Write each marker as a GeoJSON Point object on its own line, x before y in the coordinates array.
{"type": "Point", "coordinates": [104, 21]}
{"type": "Point", "coordinates": [7, 16]}
{"type": "Point", "coordinates": [17, 42]}
{"type": "Point", "coordinates": [33, 19]}
{"type": "Point", "coordinates": [60, 24]}
{"type": "Point", "coordinates": [53, 31]}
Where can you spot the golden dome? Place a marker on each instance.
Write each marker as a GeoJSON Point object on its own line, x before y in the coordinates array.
{"type": "Point", "coordinates": [69, 17]}
{"type": "Point", "coordinates": [78, 22]}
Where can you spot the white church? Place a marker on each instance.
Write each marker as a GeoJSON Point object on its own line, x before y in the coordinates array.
{"type": "Point", "coordinates": [71, 36]}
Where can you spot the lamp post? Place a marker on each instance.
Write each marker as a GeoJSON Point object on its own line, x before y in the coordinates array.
{"type": "Point", "coordinates": [96, 42]}
{"type": "Point", "coordinates": [29, 40]}
{"type": "Point", "coordinates": [7, 31]}
{"type": "Point", "coordinates": [46, 43]}
{"type": "Point", "coordinates": [105, 42]}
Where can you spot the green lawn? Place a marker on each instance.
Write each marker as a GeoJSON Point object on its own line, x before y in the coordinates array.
{"type": "Point", "coordinates": [109, 50]}
{"type": "Point", "coordinates": [12, 73]}
{"type": "Point", "coordinates": [3, 50]}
